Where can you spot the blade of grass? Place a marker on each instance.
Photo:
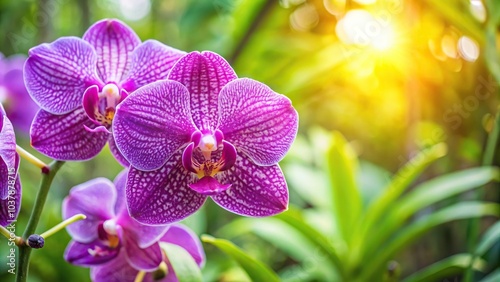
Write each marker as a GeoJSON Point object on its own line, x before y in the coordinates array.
{"type": "Point", "coordinates": [255, 269]}
{"type": "Point", "coordinates": [342, 166]}
{"type": "Point", "coordinates": [426, 194]}
{"type": "Point", "coordinates": [447, 267]}
{"type": "Point", "coordinates": [398, 185]}
{"type": "Point", "coordinates": [463, 210]}
{"type": "Point", "coordinates": [295, 219]}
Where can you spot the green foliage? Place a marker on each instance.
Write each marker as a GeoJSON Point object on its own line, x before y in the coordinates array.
{"type": "Point", "coordinates": [182, 262]}
{"type": "Point", "coordinates": [254, 268]}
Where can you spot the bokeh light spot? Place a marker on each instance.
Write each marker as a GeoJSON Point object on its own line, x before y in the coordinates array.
{"type": "Point", "coordinates": [468, 48]}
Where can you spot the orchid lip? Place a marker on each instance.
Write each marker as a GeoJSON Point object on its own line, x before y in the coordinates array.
{"type": "Point", "coordinates": [100, 105]}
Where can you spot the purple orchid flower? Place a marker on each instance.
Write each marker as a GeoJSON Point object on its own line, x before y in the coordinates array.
{"type": "Point", "coordinates": [10, 184]}
{"type": "Point", "coordinates": [79, 82]}
{"type": "Point", "coordinates": [13, 94]}
{"type": "Point", "coordinates": [108, 229]}
{"type": "Point", "coordinates": [119, 269]}
{"type": "Point", "coordinates": [204, 132]}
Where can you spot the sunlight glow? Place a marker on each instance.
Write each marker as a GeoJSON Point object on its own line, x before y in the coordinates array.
{"type": "Point", "coordinates": [359, 27]}
{"type": "Point", "coordinates": [134, 10]}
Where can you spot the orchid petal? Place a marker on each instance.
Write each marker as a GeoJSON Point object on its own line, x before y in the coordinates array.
{"type": "Point", "coordinates": [162, 196]}
{"type": "Point", "coordinates": [57, 74]}
{"type": "Point", "coordinates": [259, 122]}
{"type": "Point", "coordinates": [151, 61]}
{"type": "Point", "coordinates": [116, 153]}
{"type": "Point", "coordinates": [114, 42]}
{"type": "Point", "coordinates": [204, 74]}
{"type": "Point", "coordinates": [90, 101]}
{"type": "Point", "coordinates": [116, 270]}
{"type": "Point", "coordinates": [146, 235]}
{"type": "Point", "coordinates": [64, 137]}
{"type": "Point", "coordinates": [146, 259]}
{"type": "Point", "coordinates": [152, 123]}
{"type": "Point", "coordinates": [8, 154]}
{"type": "Point", "coordinates": [255, 190]}
{"type": "Point", "coordinates": [182, 236]}
{"type": "Point", "coordinates": [95, 199]}
{"type": "Point", "coordinates": [120, 184]}
{"type": "Point", "coordinates": [10, 206]}
{"type": "Point", "coordinates": [81, 253]}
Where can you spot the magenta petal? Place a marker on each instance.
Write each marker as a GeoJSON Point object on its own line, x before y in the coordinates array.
{"type": "Point", "coordinates": [114, 42]}
{"type": "Point", "coordinates": [120, 184]}
{"type": "Point", "coordinates": [162, 196]}
{"type": "Point", "coordinates": [255, 190]}
{"type": "Point", "coordinates": [147, 259]}
{"type": "Point", "coordinates": [151, 61]}
{"type": "Point", "coordinates": [90, 101]}
{"type": "Point", "coordinates": [8, 156]}
{"type": "Point", "coordinates": [152, 123]}
{"type": "Point", "coordinates": [259, 122]}
{"type": "Point", "coordinates": [116, 153]}
{"type": "Point", "coordinates": [10, 206]}
{"type": "Point", "coordinates": [63, 137]}
{"type": "Point", "coordinates": [116, 270]}
{"type": "Point", "coordinates": [57, 74]}
{"type": "Point", "coordinates": [182, 236]}
{"type": "Point", "coordinates": [208, 186]}
{"type": "Point", "coordinates": [96, 200]}
{"type": "Point", "coordinates": [204, 74]}
{"type": "Point", "coordinates": [81, 253]}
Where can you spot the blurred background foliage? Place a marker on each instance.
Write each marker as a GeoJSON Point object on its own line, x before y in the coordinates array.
{"type": "Point", "coordinates": [396, 77]}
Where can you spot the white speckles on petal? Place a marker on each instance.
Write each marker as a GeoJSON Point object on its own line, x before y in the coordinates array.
{"type": "Point", "coordinates": [162, 196]}
{"type": "Point", "coordinates": [57, 74]}
{"type": "Point", "coordinates": [114, 42]}
{"type": "Point", "coordinates": [63, 137]}
{"type": "Point", "coordinates": [259, 122]}
{"type": "Point", "coordinates": [152, 123]}
{"type": "Point", "coordinates": [204, 74]}
{"type": "Point", "coordinates": [255, 190]}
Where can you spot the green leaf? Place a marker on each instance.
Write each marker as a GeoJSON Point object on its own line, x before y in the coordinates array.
{"type": "Point", "coordinates": [492, 277]}
{"type": "Point", "coordinates": [254, 268]}
{"type": "Point", "coordinates": [447, 267]}
{"type": "Point", "coordinates": [491, 237]}
{"type": "Point", "coordinates": [294, 244]}
{"type": "Point", "coordinates": [403, 178]}
{"type": "Point", "coordinates": [342, 165]}
{"type": "Point", "coordinates": [322, 244]}
{"type": "Point", "coordinates": [185, 267]}
{"type": "Point", "coordinates": [464, 210]}
{"type": "Point", "coordinates": [426, 194]}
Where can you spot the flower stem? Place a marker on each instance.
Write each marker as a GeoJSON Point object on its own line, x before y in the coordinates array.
{"type": "Point", "coordinates": [32, 159]}
{"type": "Point", "coordinates": [140, 276]}
{"type": "Point", "coordinates": [7, 234]}
{"type": "Point", "coordinates": [24, 250]}
{"type": "Point", "coordinates": [63, 224]}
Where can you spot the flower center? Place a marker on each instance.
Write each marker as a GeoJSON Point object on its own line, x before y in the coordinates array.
{"type": "Point", "coordinates": [109, 233]}
{"type": "Point", "coordinates": [108, 100]}
{"type": "Point", "coordinates": [100, 106]}
{"type": "Point", "coordinates": [207, 155]}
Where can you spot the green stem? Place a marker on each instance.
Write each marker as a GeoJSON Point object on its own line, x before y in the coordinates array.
{"type": "Point", "coordinates": [61, 225]}
{"type": "Point", "coordinates": [24, 250]}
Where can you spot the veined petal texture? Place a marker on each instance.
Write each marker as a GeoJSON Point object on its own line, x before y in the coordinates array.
{"type": "Point", "coordinates": [204, 74]}
{"type": "Point", "coordinates": [57, 74]}
{"type": "Point", "coordinates": [114, 42]}
{"type": "Point", "coordinates": [152, 123]}
{"type": "Point", "coordinates": [259, 122]}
